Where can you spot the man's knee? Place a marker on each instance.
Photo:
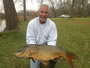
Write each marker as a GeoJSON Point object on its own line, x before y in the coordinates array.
{"type": "Point", "coordinates": [35, 64]}
{"type": "Point", "coordinates": [52, 63]}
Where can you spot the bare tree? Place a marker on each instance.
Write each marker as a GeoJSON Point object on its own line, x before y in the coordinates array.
{"type": "Point", "coordinates": [73, 2]}
{"type": "Point", "coordinates": [84, 4]}
{"type": "Point", "coordinates": [10, 15]}
{"type": "Point", "coordinates": [40, 1]}
{"type": "Point", "coordinates": [24, 6]}
{"type": "Point", "coordinates": [53, 4]}
{"type": "Point", "coordinates": [61, 6]}
{"type": "Point", "coordinates": [88, 9]}
{"type": "Point", "coordinates": [80, 7]}
{"type": "Point", "coordinates": [71, 7]}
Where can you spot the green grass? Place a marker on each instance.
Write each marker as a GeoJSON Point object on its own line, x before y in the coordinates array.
{"type": "Point", "coordinates": [73, 35]}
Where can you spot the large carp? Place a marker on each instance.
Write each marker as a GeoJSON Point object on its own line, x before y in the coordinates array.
{"type": "Point", "coordinates": [44, 53]}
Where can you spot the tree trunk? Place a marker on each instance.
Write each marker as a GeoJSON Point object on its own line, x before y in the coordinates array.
{"type": "Point", "coordinates": [73, 1]}
{"type": "Point", "coordinates": [55, 15]}
{"type": "Point", "coordinates": [10, 15]}
{"type": "Point", "coordinates": [24, 6]}
{"type": "Point", "coordinates": [53, 8]}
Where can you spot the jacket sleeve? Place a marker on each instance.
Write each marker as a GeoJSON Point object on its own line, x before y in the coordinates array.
{"type": "Point", "coordinates": [30, 36]}
{"type": "Point", "coordinates": [52, 36]}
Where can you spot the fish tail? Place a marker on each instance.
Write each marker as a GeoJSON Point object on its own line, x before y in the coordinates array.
{"type": "Point", "coordinates": [69, 57]}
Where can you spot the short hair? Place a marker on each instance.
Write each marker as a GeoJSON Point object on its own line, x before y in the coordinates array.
{"type": "Point", "coordinates": [45, 5]}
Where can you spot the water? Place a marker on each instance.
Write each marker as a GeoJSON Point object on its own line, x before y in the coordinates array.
{"type": "Point", "coordinates": [2, 25]}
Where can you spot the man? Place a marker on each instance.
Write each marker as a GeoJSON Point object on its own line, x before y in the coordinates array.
{"type": "Point", "coordinates": [42, 30]}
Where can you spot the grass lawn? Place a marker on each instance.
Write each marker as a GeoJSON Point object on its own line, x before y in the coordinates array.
{"type": "Point", "coordinates": [73, 35]}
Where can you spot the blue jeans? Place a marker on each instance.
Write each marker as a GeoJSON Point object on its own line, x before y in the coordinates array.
{"type": "Point", "coordinates": [35, 64]}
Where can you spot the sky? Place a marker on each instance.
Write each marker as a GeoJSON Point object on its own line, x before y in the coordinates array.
{"type": "Point", "coordinates": [32, 5]}
{"type": "Point", "coordinates": [29, 5]}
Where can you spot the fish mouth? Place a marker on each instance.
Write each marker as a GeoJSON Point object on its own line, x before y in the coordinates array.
{"type": "Point", "coordinates": [18, 54]}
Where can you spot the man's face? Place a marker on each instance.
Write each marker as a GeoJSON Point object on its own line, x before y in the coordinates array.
{"type": "Point", "coordinates": [43, 14]}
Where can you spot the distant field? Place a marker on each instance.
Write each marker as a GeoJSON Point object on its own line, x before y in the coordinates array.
{"type": "Point", "coordinates": [73, 35]}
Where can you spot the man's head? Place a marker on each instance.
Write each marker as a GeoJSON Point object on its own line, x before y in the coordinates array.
{"type": "Point", "coordinates": [43, 13]}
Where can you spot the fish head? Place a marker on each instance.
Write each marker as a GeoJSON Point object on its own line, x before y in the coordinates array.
{"type": "Point", "coordinates": [20, 52]}
{"type": "Point", "coordinates": [26, 53]}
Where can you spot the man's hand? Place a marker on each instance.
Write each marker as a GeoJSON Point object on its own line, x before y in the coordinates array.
{"type": "Point", "coordinates": [57, 57]}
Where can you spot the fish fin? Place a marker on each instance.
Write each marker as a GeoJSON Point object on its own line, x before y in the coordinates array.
{"type": "Point", "coordinates": [44, 62]}
{"type": "Point", "coordinates": [33, 60]}
{"type": "Point", "coordinates": [42, 65]}
{"type": "Point", "coordinates": [70, 61]}
{"type": "Point", "coordinates": [69, 57]}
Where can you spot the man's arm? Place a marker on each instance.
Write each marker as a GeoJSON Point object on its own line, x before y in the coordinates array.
{"type": "Point", "coordinates": [52, 36]}
{"type": "Point", "coordinates": [30, 36]}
